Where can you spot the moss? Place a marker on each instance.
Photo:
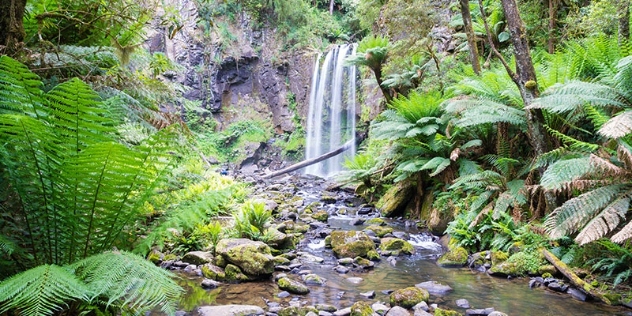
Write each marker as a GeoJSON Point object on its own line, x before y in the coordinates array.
{"type": "Point", "coordinates": [408, 297]}
{"type": "Point", "coordinates": [292, 286]}
{"type": "Point", "coordinates": [321, 216]}
{"type": "Point", "coordinates": [498, 257]}
{"type": "Point", "coordinates": [364, 263]}
{"type": "Point", "coordinates": [297, 311]}
{"type": "Point", "coordinates": [351, 244]}
{"type": "Point", "coordinates": [446, 312]}
{"type": "Point", "coordinates": [373, 255]}
{"type": "Point", "coordinates": [170, 257]}
{"type": "Point", "coordinates": [380, 231]}
{"type": "Point", "coordinates": [520, 263]}
{"type": "Point", "coordinates": [278, 260]}
{"type": "Point", "coordinates": [455, 257]}
{"type": "Point", "coordinates": [395, 199]}
{"type": "Point", "coordinates": [233, 273]}
{"type": "Point", "coordinates": [547, 275]}
{"type": "Point", "coordinates": [547, 269]}
{"type": "Point", "coordinates": [154, 257]}
{"type": "Point", "coordinates": [376, 221]}
{"type": "Point", "coordinates": [361, 309]}
{"type": "Point", "coordinates": [328, 241]}
{"type": "Point", "coordinates": [397, 245]}
{"type": "Point", "coordinates": [213, 272]}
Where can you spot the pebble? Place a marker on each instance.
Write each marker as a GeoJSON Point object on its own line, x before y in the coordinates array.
{"type": "Point", "coordinates": [354, 280]}
{"type": "Point", "coordinates": [369, 294]}
{"type": "Point", "coordinates": [283, 294]}
{"type": "Point", "coordinates": [341, 269]}
{"type": "Point", "coordinates": [462, 303]}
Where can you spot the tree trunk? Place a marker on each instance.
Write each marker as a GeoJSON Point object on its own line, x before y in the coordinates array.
{"type": "Point", "coordinates": [623, 14]}
{"type": "Point", "coordinates": [11, 27]}
{"type": "Point", "coordinates": [526, 81]}
{"type": "Point", "coordinates": [331, 6]}
{"type": "Point", "coordinates": [553, 5]}
{"type": "Point", "coordinates": [471, 37]}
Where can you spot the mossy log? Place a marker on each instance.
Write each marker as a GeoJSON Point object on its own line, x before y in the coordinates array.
{"type": "Point", "coordinates": [573, 278]}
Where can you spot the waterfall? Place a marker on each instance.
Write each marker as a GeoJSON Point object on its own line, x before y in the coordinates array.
{"type": "Point", "coordinates": [331, 116]}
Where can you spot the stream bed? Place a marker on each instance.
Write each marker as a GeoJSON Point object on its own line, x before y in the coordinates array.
{"type": "Point", "coordinates": [511, 296]}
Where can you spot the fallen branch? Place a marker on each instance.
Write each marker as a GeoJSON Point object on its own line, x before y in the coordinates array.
{"type": "Point", "coordinates": [348, 145]}
{"type": "Point", "coordinates": [573, 278]}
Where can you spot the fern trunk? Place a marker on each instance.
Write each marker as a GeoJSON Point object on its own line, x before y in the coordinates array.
{"type": "Point", "coordinates": [471, 37]}
{"type": "Point", "coordinates": [11, 14]}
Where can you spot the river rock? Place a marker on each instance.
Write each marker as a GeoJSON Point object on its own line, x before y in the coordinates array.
{"type": "Point", "coordinates": [422, 306]}
{"type": "Point", "coordinates": [361, 309]}
{"type": "Point", "coordinates": [355, 280]}
{"type": "Point", "coordinates": [292, 286]}
{"type": "Point", "coordinates": [479, 311]}
{"type": "Point", "coordinates": [198, 257]}
{"type": "Point", "coordinates": [341, 269]}
{"type": "Point", "coordinates": [455, 257]}
{"type": "Point", "coordinates": [497, 313]}
{"type": "Point", "coordinates": [230, 310]}
{"type": "Point", "coordinates": [321, 216]}
{"type": "Point", "coordinates": [328, 197]}
{"type": "Point", "coordinates": [357, 221]}
{"type": "Point", "coordinates": [577, 294]}
{"type": "Point", "coordinates": [234, 273]}
{"type": "Point", "coordinates": [369, 294]}
{"type": "Point", "coordinates": [252, 257]}
{"type": "Point", "coordinates": [276, 238]}
{"type": "Point", "coordinates": [397, 311]}
{"type": "Point", "coordinates": [421, 313]}
{"type": "Point", "coordinates": [343, 312]}
{"type": "Point", "coordinates": [380, 231]}
{"type": "Point", "coordinates": [462, 303]}
{"type": "Point", "coordinates": [380, 308]}
{"type": "Point", "coordinates": [209, 284]}
{"type": "Point", "coordinates": [408, 297]}
{"type": "Point", "coordinates": [434, 288]}
{"type": "Point", "coordinates": [363, 263]}
{"type": "Point", "coordinates": [445, 312]}
{"type": "Point", "coordinates": [395, 199]}
{"type": "Point", "coordinates": [297, 310]}
{"type": "Point", "coordinates": [396, 246]}
{"type": "Point", "coordinates": [376, 221]}
{"type": "Point", "coordinates": [313, 279]}
{"type": "Point", "coordinates": [351, 244]}
{"type": "Point", "coordinates": [213, 272]}
{"type": "Point", "coordinates": [326, 307]}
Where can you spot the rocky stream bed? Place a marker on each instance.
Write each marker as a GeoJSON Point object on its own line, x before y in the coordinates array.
{"type": "Point", "coordinates": [349, 261]}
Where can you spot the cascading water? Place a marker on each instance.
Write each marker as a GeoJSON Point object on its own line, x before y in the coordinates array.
{"type": "Point", "coordinates": [332, 110]}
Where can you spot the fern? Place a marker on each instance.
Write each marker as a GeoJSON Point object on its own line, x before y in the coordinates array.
{"type": "Point", "coordinates": [41, 291]}
{"type": "Point", "coordinates": [574, 95]}
{"type": "Point", "coordinates": [618, 126]}
{"type": "Point", "coordinates": [475, 112]}
{"type": "Point", "coordinates": [564, 171]}
{"type": "Point", "coordinates": [128, 281]}
{"type": "Point", "coordinates": [606, 221]}
{"type": "Point", "coordinates": [21, 92]}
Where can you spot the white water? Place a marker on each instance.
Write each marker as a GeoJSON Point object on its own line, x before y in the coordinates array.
{"type": "Point", "coordinates": [331, 116]}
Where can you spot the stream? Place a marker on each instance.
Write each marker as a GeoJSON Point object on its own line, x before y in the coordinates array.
{"type": "Point", "coordinates": [511, 296]}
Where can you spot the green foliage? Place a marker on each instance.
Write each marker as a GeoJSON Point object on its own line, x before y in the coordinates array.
{"type": "Point", "coordinates": [617, 262]}
{"type": "Point", "coordinates": [251, 220]}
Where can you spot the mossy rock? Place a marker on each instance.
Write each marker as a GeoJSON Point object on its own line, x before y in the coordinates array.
{"type": "Point", "coordinates": [395, 199]}
{"type": "Point", "coordinates": [292, 286]}
{"type": "Point", "coordinates": [297, 311]}
{"type": "Point", "coordinates": [321, 216]}
{"type": "Point", "coordinates": [298, 228]}
{"type": "Point", "coordinates": [547, 268]}
{"type": "Point", "coordinates": [380, 231]}
{"type": "Point", "coordinates": [169, 257]}
{"type": "Point", "coordinates": [408, 297]}
{"type": "Point", "coordinates": [154, 257]}
{"type": "Point", "coordinates": [351, 244]}
{"type": "Point", "coordinates": [234, 274]}
{"type": "Point", "coordinates": [373, 255]}
{"type": "Point", "coordinates": [375, 221]}
{"type": "Point", "coordinates": [396, 246]}
{"type": "Point", "coordinates": [277, 238]}
{"type": "Point", "coordinates": [198, 257]}
{"type": "Point", "coordinates": [519, 264]}
{"type": "Point", "coordinates": [446, 312]}
{"type": "Point", "coordinates": [498, 257]}
{"type": "Point", "coordinates": [220, 261]}
{"type": "Point", "coordinates": [313, 279]}
{"type": "Point", "coordinates": [361, 309]}
{"type": "Point", "coordinates": [328, 197]}
{"type": "Point", "coordinates": [363, 262]}
{"type": "Point", "coordinates": [279, 260]}
{"type": "Point", "coordinates": [252, 257]}
{"type": "Point", "coordinates": [328, 241]}
{"type": "Point", "coordinates": [213, 272]}
{"type": "Point", "coordinates": [455, 257]}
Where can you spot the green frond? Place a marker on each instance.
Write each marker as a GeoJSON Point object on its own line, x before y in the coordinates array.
{"type": "Point", "coordinates": [487, 180]}
{"type": "Point", "coordinates": [596, 116]}
{"type": "Point", "coordinates": [7, 246]}
{"type": "Point", "coordinates": [574, 95]}
{"type": "Point", "coordinates": [40, 291]}
{"type": "Point", "coordinates": [436, 165]}
{"type": "Point", "coordinates": [572, 143]}
{"type": "Point", "coordinates": [605, 222]}
{"type": "Point", "coordinates": [417, 105]}
{"type": "Point", "coordinates": [20, 89]}
{"type": "Point", "coordinates": [565, 171]}
{"type": "Point", "coordinates": [481, 201]}
{"type": "Point", "coordinates": [475, 112]}
{"type": "Point", "coordinates": [618, 126]}
{"type": "Point", "coordinates": [128, 281]}
{"type": "Point", "coordinates": [576, 212]}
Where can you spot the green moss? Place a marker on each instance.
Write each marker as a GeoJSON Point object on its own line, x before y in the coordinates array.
{"type": "Point", "coordinates": [373, 255]}
{"type": "Point", "coordinates": [154, 257]}
{"type": "Point", "coordinates": [455, 257]}
{"type": "Point", "coordinates": [376, 221]}
{"type": "Point", "coordinates": [297, 311]}
{"type": "Point", "coordinates": [546, 275]}
{"type": "Point", "coordinates": [328, 241]}
{"type": "Point", "coordinates": [498, 257]}
{"type": "Point", "coordinates": [408, 297]}
{"type": "Point", "coordinates": [361, 309]}
{"type": "Point", "coordinates": [446, 312]}
{"type": "Point", "coordinates": [292, 286]}
{"type": "Point", "coordinates": [233, 273]}
{"type": "Point", "coordinates": [396, 245]}
{"type": "Point", "coordinates": [213, 272]}
{"type": "Point", "coordinates": [351, 244]}
{"type": "Point", "coordinates": [395, 199]}
{"type": "Point", "coordinates": [321, 216]}
{"type": "Point", "coordinates": [380, 231]}
{"type": "Point", "coordinates": [170, 257]}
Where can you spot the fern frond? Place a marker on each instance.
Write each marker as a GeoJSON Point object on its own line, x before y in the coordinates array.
{"type": "Point", "coordinates": [7, 246]}
{"type": "Point", "coordinates": [624, 234]}
{"type": "Point", "coordinates": [573, 143]}
{"type": "Point", "coordinates": [606, 221]}
{"type": "Point", "coordinates": [41, 291]}
{"type": "Point", "coordinates": [477, 112]}
{"type": "Point", "coordinates": [576, 212]}
{"type": "Point", "coordinates": [20, 89]}
{"type": "Point", "coordinates": [618, 126]}
{"type": "Point", "coordinates": [128, 281]}
{"type": "Point", "coordinates": [574, 95]}
{"type": "Point", "coordinates": [565, 171]}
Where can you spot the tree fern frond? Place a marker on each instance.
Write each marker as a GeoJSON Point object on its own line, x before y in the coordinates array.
{"type": "Point", "coordinates": [7, 246]}
{"type": "Point", "coordinates": [624, 234]}
{"type": "Point", "coordinates": [576, 212]}
{"type": "Point", "coordinates": [20, 89]}
{"type": "Point", "coordinates": [128, 281]}
{"type": "Point", "coordinates": [40, 291]}
{"type": "Point", "coordinates": [565, 171]}
{"type": "Point", "coordinates": [573, 143]}
{"type": "Point", "coordinates": [624, 153]}
{"type": "Point", "coordinates": [606, 221]}
{"type": "Point", "coordinates": [477, 112]}
{"type": "Point", "coordinates": [618, 126]}
{"type": "Point", "coordinates": [573, 95]}
{"type": "Point", "coordinates": [436, 165]}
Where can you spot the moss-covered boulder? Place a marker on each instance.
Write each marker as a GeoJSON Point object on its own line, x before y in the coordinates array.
{"type": "Point", "coordinates": [198, 257]}
{"type": "Point", "coordinates": [213, 272]}
{"type": "Point", "coordinates": [351, 244]}
{"type": "Point", "coordinates": [518, 264]}
{"type": "Point", "coordinates": [313, 279]}
{"type": "Point", "coordinates": [276, 239]}
{"type": "Point", "coordinates": [363, 263]}
{"type": "Point", "coordinates": [455, 257]}
{"type": "Point", "coordinates": [498, 257]}
{"type": "Point", "coordinates": [234, 274]}
{"type": "Point", "coordinates": [321, 216]}
{"type": "Point", "coordinates": [373, 255]}
{"type": "Point", "coordinates": [361, 309]}
{"type": "Point", "coordinates": [292, 286]}
{"type": "Point", "coordinates": [380, 231]}
{"type": "Point", "coordinates": [446, 312]}
{"type": "Point", "coordinates": [252, 257]}
{"type": "Point", "coordinates": [297, 311]}
{"type": "Point", "coordinates": [408, 297]}
{"type": "Point", "coordinates": [395, 199]}
{"type": "Point", "coordinates": [395, 246]}
{"type": "Point", "coordinates": [375, 221]}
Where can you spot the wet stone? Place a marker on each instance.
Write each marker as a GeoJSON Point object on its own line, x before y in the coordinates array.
{"type": "Point", "coordinates": [397, 311]}
{"type": "Point", "coordinates": [343, 312]}
{"type": "Point", "coordinates": [341, 269]}
{"type": "Point", "coordinates": [283, 294]}
{"type": "Point", "coordinates": [369, 294]}
{"type": "Point", "coordinates": [462, 303]}
{"type": "Point", "coordinates": [324, 313]}
{"type": "Point", "coordinates": [210, 284]}
{"type": "Point", "coordinates": [577, 294]}
{"type": "Point", "coordinates": [479, 312]}
{"type": "Point", "coordinates": [282, 268]}
{"type": "Point", "coordinates": [357, 221]}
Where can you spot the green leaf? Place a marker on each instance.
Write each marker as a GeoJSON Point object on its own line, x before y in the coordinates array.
{"type": "Point", "coordinates": [503, 37]}
{"type": "Point", "coordinates": [563, 172]}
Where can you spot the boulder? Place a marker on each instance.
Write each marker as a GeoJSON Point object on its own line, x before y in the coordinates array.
{"type": "Point", "coordinates": [380, 231]}
{"type": "Point", "coordinates": [230, 310]}
{"type": "Point", "coordinates": [395, 199]}
{"type": "Point", "coordinates": [252, 257]}
{"type": "Point", "coordinates": [376, 221]}
{"type": "Point", "coordinates": [455, 257]}
{"type": "Point", "coordinates": [276, 238]}
{"type": "Point", "coordinates": [313, 279]}
{"type": "Point", "coordinates": [321, 216]}
{"type": "Point", "coordinates": [446, 312]}
{"type": "Point", "coordinates": [297, 311]}
{"type": "Point", "coordinates": [463, 303]}
{"type": "Point", "coordinates": [198, 257]}
{"type": "Point", "coordinates": [396, 246]}
{"type": "Point", "coordinates": [351, 244]}
{"type": "Point", "coordinates": [213, 272]}
{"type": "Point", "coordinates": [408, 297]}
{"type": "Point", "coordinates": [361, 309]}
{"type": "Point", "coordinates": [434, 288]}
{"type": "Point", "coordinates": [398, 311]}
{"type": "Point", "coordinates": [292, 286]}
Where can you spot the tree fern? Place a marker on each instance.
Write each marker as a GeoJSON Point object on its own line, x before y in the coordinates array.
{"type": "Point", "coordinates": [564, 171]}
{"type": "Point", "coordinates": [472, 112]}
{"type": "Point", "coordinates": [606, 221]}
{"type": "Point", "coordinates": [41, 291]}
{"type": "Point", "coordinates": [21, 89]}
{"type": "Point", "coordinates": [618, 126]}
